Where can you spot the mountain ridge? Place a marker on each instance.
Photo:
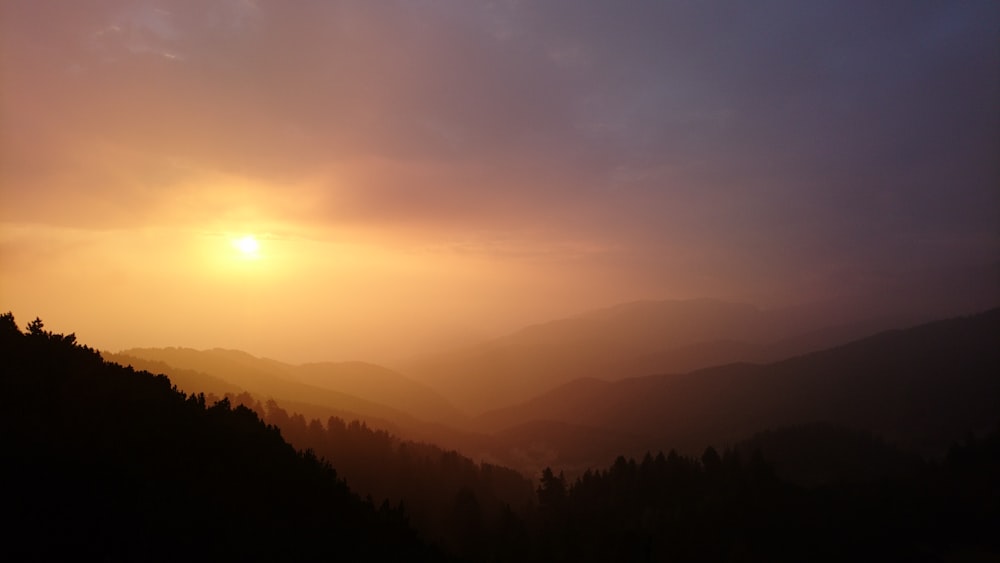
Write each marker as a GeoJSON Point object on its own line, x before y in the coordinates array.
{"type": "Point", "coordinates": [366, 388]}
{"type": "Point", "coordinates": [630, 339]}
{"type": "Point", "coordinates": [922, 387]}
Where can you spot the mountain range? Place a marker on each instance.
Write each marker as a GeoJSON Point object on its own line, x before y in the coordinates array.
{"type": "Point", "coordinates": [677, 336]}
{"type": "Point", "coordinates": [921, 388]}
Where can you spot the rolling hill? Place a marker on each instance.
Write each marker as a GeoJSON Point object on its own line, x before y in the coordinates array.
{"type": "Point", "coordinates": [678, 336]}
{"type": "Point", "coordinates": [629, 340]}
{"type": "Point", "coordinates": [358, 388]}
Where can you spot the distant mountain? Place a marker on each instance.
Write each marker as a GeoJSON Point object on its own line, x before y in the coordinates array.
{"type": "Point", "coordinates": [598, 344]}
{"type": "Point", "coordinates": [676, 336]}
{"type": "Point", "coordinates": [647, 337]}
{"type": "Point", "coordinates": [380, 384]}
{"type": "Point", "coordinates": [353, 388]}
{"type": "Point", "coordinates": [189, 381]}
{"type": "Point", "coordinates": [214, 366]}
{"type": "Point", "coordinates": [629, 340]}
{"type": "Point", "coordinates": [921, 388]}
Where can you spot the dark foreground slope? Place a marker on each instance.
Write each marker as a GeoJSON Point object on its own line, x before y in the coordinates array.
{"type": "Point", "coordinates": [101, 461]}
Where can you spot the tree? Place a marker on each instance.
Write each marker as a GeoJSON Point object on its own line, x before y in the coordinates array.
{"type": "Point", "coordinates": [710, 459]}
{"type": "Point", "coordinates": [552, 490]}
{"type": "Point", "coordinates": [7, 324]}
{"type": "Point", "coordinates": [36, 327]}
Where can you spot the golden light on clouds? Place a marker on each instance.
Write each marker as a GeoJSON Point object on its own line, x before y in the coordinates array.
{"type": "Point", "coordinates": [341, 180]}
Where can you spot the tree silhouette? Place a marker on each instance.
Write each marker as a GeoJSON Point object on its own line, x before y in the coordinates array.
{"type": "Point", "coordinates": [552, 490]}
{"type": "Point", "coordinates": [115, 464]}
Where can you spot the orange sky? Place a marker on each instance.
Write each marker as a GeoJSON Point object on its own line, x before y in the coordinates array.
{"type": "Point", "coordinates": [440, 171]}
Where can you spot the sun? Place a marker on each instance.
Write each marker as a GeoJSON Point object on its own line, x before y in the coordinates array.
{"type": "Point", "coordinates": [248, 246]}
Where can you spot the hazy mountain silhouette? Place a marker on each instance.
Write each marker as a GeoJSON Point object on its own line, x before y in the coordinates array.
{"type": "Point", "coordinates": [354, 388]}
{"type": "Point", "coordinates": [216, 365]}
{"type": "Point", "coordinates": [625, 341]}
{"type": "Point", "coordinates": [922, 388]}
{"type": "Point", "coordinates": [383, 385]}
{"type": "Point", "coordinates": [646, 337]}
{"type": "Point", "coordinates": [598, 344]}
{"type": "Point", "coordinates": [189, 381]}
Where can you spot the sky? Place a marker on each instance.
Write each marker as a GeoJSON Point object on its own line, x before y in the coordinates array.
{"type": "Point", "coordinates": [424, 172]}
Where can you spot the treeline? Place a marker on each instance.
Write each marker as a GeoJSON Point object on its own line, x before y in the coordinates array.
{"type": "Point", "coordinates": [732, 507]}
{"type": "Point", "coordinates": [103, 462]}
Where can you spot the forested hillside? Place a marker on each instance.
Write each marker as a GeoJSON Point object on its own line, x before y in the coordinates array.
{"type": "Point", "coordinates": [733, 507]}
{"type": "Point", "coordinates": [103, 462]}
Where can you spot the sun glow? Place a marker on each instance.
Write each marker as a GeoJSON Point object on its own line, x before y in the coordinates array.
{"type": "Point", "coordinates": [248, 246]}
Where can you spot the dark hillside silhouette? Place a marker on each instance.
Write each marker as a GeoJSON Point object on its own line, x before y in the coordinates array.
{"type": "Point", "coordinates": [105, 463]}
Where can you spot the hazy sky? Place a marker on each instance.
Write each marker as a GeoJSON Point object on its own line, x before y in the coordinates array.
{"type": "Point", "coordinates": [417, 170]}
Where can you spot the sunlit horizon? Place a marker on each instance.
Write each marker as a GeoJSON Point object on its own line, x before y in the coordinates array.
{"type": "Point", "coordinates": [349, 181]}
{"type": "Point", "coordinates": [500, 280]}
